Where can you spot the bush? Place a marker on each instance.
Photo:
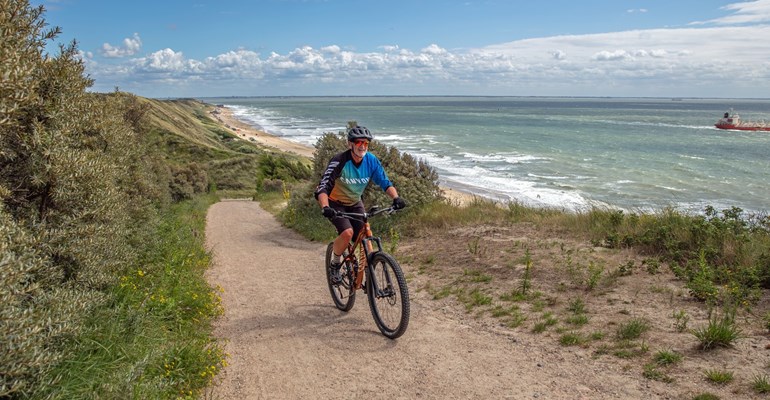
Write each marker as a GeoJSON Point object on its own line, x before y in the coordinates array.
{"type": "Point", "coordinates": [78, 192]}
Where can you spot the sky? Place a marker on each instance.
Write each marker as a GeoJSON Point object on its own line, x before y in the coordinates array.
{"type": "Point", "coordinates": [618, 48]}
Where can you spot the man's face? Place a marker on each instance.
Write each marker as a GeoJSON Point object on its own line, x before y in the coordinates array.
{"type": "Point", "coordinates": [359, 147]}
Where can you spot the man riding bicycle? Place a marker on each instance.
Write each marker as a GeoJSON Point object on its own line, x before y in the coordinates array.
{"type": "Point", "coordinates": [342, 185]}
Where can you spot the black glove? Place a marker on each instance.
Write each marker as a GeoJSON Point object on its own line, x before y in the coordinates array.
{"type": "Point", "coordinates": [329, 212]}
{"type": "Point", "coordinates": [398, 203]}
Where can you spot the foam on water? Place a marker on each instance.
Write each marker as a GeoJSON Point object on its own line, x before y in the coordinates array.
{"type": "Point", "coordinates": [552, 152]}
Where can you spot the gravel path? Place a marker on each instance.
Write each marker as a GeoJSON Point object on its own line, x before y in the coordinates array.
{"type": "Point", "coordinates": [286, 339]}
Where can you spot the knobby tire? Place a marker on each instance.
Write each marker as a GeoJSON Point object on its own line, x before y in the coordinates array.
{"type": "Point", "coordinates": [389, 301]}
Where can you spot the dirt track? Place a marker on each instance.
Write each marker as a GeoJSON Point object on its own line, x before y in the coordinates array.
{"type": "Point", "coordinates": [286, 339]}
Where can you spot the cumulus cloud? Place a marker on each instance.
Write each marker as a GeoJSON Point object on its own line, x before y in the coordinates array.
{"type": "Point", "coordinates": [130, 47]}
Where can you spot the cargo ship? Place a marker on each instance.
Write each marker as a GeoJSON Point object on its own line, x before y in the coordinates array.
{"type": "Point", "coordinates": [733, 121]}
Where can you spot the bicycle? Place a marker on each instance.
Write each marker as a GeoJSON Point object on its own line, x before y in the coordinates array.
{"type": "Point", "coordinates": [385, 285]}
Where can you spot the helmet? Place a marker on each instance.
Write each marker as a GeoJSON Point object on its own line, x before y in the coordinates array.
{"type": "Point", "coordinates": [359, 132]}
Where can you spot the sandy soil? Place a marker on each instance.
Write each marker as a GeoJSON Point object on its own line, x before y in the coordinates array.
{"type": "Point", "coordinates": [286, 340]}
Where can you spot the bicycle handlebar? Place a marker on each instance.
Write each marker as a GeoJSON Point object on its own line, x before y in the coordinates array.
{"type": "Point", "coordinates": [371, 213]}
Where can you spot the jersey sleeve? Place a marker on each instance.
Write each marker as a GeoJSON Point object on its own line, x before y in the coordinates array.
{"type": "Point", "coordinates": [378, 173]}
{"type": "Point", "coordinates": [330, 176]}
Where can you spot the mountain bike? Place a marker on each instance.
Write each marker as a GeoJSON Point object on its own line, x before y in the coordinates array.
{"type": "Point", "coordinates": [366, 266]}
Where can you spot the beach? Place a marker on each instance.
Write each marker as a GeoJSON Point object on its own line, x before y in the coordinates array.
{"type": "Point", "coordinates": [248, 132]}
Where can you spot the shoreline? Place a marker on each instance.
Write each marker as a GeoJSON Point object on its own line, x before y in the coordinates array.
{"type": "Point", "coordinates": [224, 115]}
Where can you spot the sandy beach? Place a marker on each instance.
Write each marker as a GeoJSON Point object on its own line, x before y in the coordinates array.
{"type": "Point", "coordinates": [247, 132]}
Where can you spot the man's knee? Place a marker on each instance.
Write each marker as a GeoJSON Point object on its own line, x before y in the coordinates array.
{"type": "Point", "coordinates": [347, 234]}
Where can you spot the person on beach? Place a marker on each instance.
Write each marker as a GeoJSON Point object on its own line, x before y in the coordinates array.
{"type": "Point", "coordinates": [342, 185]}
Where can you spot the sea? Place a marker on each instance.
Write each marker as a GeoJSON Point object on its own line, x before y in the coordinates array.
{"type": "Point", "coordinates": [639, 155]}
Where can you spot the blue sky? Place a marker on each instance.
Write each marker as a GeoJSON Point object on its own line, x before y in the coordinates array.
{"type": "Point", "coordinates": [170, 48]}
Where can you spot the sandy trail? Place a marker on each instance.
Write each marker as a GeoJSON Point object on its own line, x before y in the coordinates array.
{"type": "Point", "coordinates": [286, 339]}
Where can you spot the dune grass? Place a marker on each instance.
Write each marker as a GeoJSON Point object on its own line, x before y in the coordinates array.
{"type": "Point", "coordinates": [152, 339]}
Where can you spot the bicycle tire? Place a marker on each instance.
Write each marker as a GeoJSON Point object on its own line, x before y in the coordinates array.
{"type": "Point", "coordinates": [389, 301]}
{"type": "Point", "coordinates": [343, 293]}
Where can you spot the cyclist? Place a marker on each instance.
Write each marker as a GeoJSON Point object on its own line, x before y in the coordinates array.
{"type": "Point", "coordinates": [342, 185]}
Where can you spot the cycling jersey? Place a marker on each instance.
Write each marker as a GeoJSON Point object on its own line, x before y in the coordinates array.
{"type": "Point", "coordinates": [344, 181]}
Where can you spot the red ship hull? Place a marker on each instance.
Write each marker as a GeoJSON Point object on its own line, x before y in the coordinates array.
{"type": "Point", "coordinates": [743, 128]}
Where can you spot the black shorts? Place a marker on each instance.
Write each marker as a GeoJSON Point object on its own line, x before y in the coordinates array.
{"type": "Point", "coordinates": [342, 223]}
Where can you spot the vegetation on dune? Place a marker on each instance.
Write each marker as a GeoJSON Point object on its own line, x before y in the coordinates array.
{"type": "Point", "coordinates": [101, 285]}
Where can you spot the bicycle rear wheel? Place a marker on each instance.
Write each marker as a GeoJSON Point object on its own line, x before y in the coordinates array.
{"type": "Point", "coordinates": [343, 293]}
{"type": "Point", "coordinates": [388, 295]}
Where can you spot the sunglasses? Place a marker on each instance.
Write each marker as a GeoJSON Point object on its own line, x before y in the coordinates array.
{"type": "Point", "coordinates": [361, 143]}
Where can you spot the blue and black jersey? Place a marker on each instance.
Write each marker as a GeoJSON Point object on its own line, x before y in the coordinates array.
{"type": "Point", "coordinates": [344, 181]}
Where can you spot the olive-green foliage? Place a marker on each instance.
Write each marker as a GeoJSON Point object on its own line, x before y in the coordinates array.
{"type": "Point", "coordinates": [187, 181]}
{"type": "Point", "coordinates": [722, 256]}
{"type": "Point", "coordinates": [75, 187]}
{"type": "Point", "coordinates": [275, 169]}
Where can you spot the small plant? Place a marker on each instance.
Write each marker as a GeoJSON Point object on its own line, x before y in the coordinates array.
{"type": "Point", "coordinates": [681, 318]}
{"type": "Point", "coordinates": [653, 265]}
{"type": "Point", "coordinates": [719, 377]}
{"type": "Point", "coordinates": [760, 384]}
{"type": "Point", "coordinates": [443, 292]}
{"type": "Point", "coordinates": [667, 357]}
{"type": "Point", "coordinates": [720, 332]}
{"type": "Point", "coordinates": [477, 276]}
{"type": "Point", "coordinates": [577, 306]}
{"type": "Point", "coordinates": [473, 299]}
{"type": "Point", "coordinates": [632, 329]}
{"type": "Point", "coordinates": [475, 248]}
{"type": "Point", "coordinates": [525, 284]}
{"type": "Point", "coordinates": [578, 319]}
{"type": "Point", "coordinates": [653, 373]}
{"type": "Point", "coordinates": [626, 269]}
{"type": "Point", "coordinates": [572, 339]}
{"type": "Point", "coordinates": [594, 275]}
{"type": "Point", "coordinates": [545, 321]}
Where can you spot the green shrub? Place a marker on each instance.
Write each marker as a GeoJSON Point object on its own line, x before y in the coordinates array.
{"type": "Point", "coordinates": [77, 186]}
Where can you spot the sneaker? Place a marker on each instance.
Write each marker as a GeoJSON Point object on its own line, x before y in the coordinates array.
{"type": "Point", "coordinates": [334, 268]}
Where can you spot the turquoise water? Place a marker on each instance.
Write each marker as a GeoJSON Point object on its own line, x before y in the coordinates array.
{"type": "Point", "coordinates": [568, 153]}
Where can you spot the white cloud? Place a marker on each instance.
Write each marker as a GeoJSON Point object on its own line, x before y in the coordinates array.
{"type": "Point", "coordinates": [656, 62]}
{"type": "Point", "coordinates": [130, 47]}
{"type": "Point", "coordinates": [749, 12]}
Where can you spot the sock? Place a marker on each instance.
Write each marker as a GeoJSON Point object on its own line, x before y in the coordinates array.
{"type": "Point", "coordinates": [336, 258]}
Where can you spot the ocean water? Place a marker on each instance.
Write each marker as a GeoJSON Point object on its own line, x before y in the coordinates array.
{"type": "Point", "coordinates": [639, 155]}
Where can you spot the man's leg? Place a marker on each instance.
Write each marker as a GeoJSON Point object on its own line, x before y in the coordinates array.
{"type": "Point", "coordinates": [341, 242]}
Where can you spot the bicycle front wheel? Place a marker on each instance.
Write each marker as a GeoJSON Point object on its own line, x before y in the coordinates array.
{"type": "Point", "coordinates": [343, 293]}
{"type": "Point", "coordinates": [388, 295]}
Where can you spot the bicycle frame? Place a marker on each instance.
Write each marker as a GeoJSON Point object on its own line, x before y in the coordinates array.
{"type": "Point", "coordinates": [365, 242]}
